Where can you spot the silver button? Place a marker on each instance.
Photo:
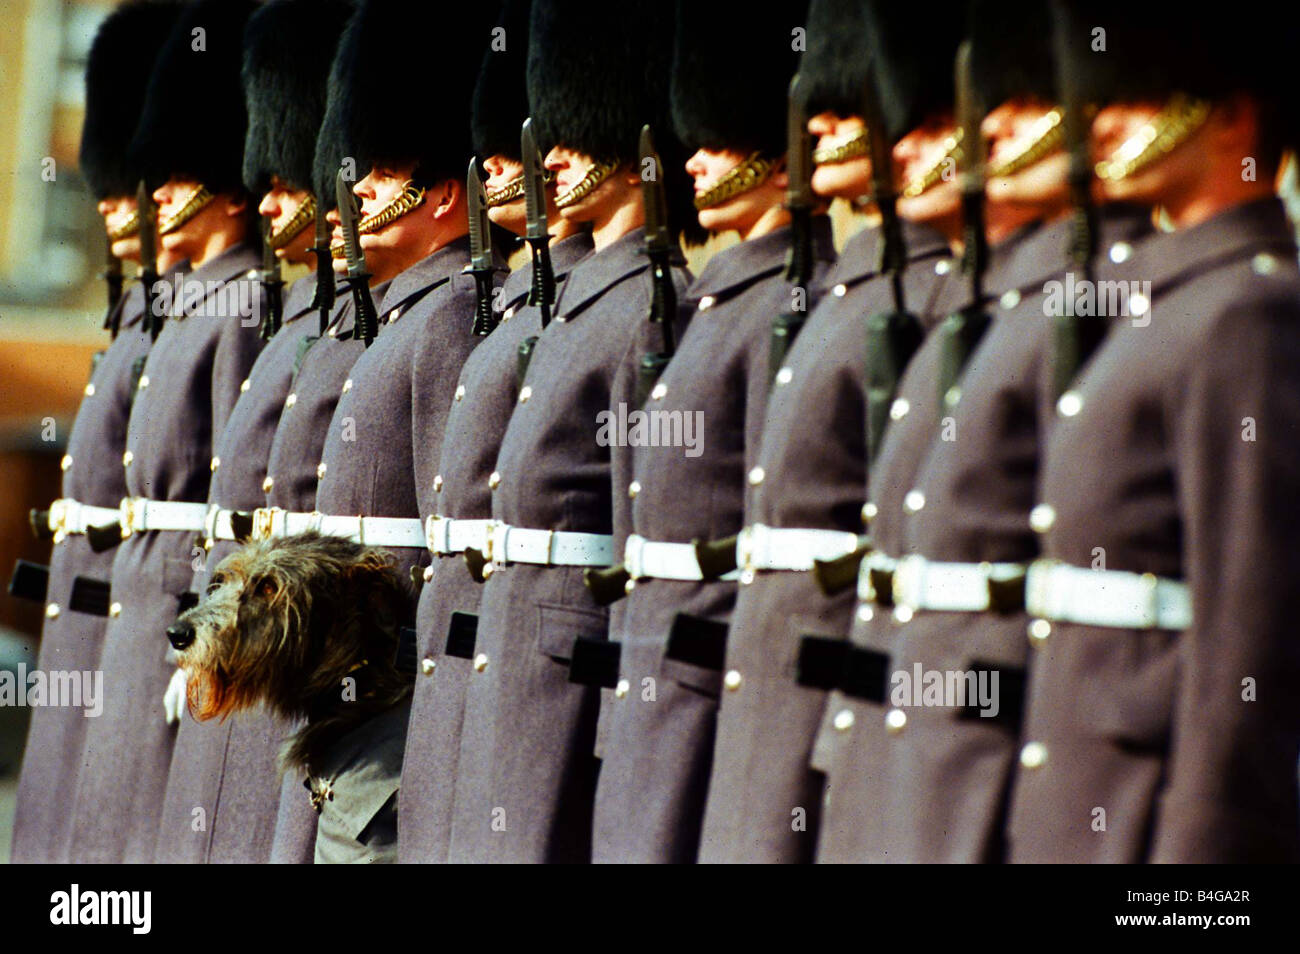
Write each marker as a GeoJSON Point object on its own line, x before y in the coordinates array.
{"type": "Point", "coordinates": [437, 483]}
{"type": "Point", "coordinates": [784, 376]}
{"type": "Point", "coordinates": [524, 394]}
{"type": "Point", "coordinates": [746, 577]}
{"type": "Point", "coordinates": [902, 614]}
{"type": "Point", "coordinates": [428, 573]}
{"type": "Point", "coordinates": [127, 458]}
{"type": "Point", "coordinates": [347, 385]}
{"type": "Point", "coordinates": [895, 719]}
{"type": "Point", "coordinates": [214, 464]}
{"type": "Point", "coordinates": [1138, 304]}
{"type": "Point", "coordinates": [243, 385]}
{"type": "Point", "coordinates": [494, 480]}
{"type": "Point", "coordinates": [267, 485]}
{"type": "Point", "coordinates": [427, 666]}
{"type": "Point", "coordinates": [90, 390]}
{"type": "Point", "coordinates": [320, 470]}
{"type": "Point", "coordinates": [1070, 404]}
{"type": "Point", "coordinates": [115, 610]}
{"type": "Point", "coordinates": [397, 313]}
{"type": "Point", "coordinates": [843, 720]}
{"type": "Point", "coordinates": [732, 680]}
{"type": "Point", "coordinates": [144, 382]}
{"type": "Point", "coordinates": [1039, 630]}
{"type": "Point", "coordinates": [1042, 517]}
{"type": "Point", "coordinates": [865, 613]}
{"type": "Point", "coordinates": [460, 392]}
{"type": "Point", "coordinates": [291, 400]}
{"type": "Point", "coordinates": [914, 501]}
{"type": "Point", "coordinates": [1033, 755]}
{"type": "Point", "coordinates": [1120, 252]}
{"type": "Point", "coordinates": [66, 462]}
{"type": "Point", "coordinates": [510, 313]}
{"type": "Point", "coordinates": [480, 662]}
{"type": "Point", "coordinates": [658, 391]}
{"type": "Point", "coordinates": [869, 511]}
{"type": "Point", "coordinates": [622, 688]}
{"type": "Point", "coordinates": [1010, 299]}
{"type": "Point", "coordinates": [952, 397]}
{"type": "Point", "coordinates": [942, 267]}
{"type": "Point", "coordinates": [756, 475]}
{"type": "Point", "coordinates": [633, 489]}
{"type": "Point", "coordinates": [898, 410]}
{"type": "Point", "coordinates": [839, 290]}
{"type": "Point", "coordinates": [707, 302]}
{"type": "Point", "coordinates": [1263, 264]}
{"type": "Point", "coordinates": [52, 610]}
{"type": "Point", "coordinates": [629, 586]}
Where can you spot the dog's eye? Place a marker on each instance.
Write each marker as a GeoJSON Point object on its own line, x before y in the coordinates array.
{"type": "Point", "coordinates": [266, 588]}
{"type": "Point", "coordinates": [212, 588]}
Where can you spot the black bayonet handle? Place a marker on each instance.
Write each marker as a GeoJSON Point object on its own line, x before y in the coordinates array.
{"type": "Point", "coordinates": [542, 293]}
{"type": "Point", "coordinates": [324, 299]}
{"type": "Point", "coordinates": [484, 319]}
{"type": "Point", "coordinates": [663, 307]}
{"type": "Point", "coordinates": [273, 290]}
{"type": "Point", "coordinates": [367, 321]}
{"type": "Point", "coordinates": [151, 321]}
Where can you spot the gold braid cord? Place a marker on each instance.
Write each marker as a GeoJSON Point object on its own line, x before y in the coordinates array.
{"type": "Point", "coordinates": [128, 228]}
{"type": "Point", "coordinates": [411, 197]}
{"type": "Point", "coordinates": [857, 145]}
{"type": "Point", "coordinates": [754, 171]}
{"type": "Point", "coordinates": [195, 204]}
{"type": "Point", "coordinates": [1166, 130]}
{"type": "Point", "coordinates": [302, 217]}
{"type": "Point", "coordinates": [512, 190]}
{"type": "Point", "coordinates": [1048, 135]}
{"type": "Point", "coordinates": [599, 171]}
{"type": "Point", "coordinates": [934, 175]}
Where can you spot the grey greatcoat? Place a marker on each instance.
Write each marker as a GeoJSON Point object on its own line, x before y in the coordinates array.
{"type": "Point", "coordinates": [658, 750]}
{"type": "Point", "coordinates": [488, 389]}
{"type": "Point", "coordinates": [229, 768]}
{"type": "Point", "coordinates": [71, 641]}
{"type": "Point", "coordinates": [1175, 455]}
{"type": "Point", "coordinates": [526, 774]}
{"type": "Point", "coordinates": [763, 799]}
{"type": "Point", "coordinates": [185, 395]}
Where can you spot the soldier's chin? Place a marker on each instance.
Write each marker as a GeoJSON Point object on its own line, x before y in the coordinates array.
{"type": "Point", "coordinates": [842, 180]}
{"type": "Point", "coordinates": [127, 249]}
{"type": "Point", "coordinates": [934, 204]}
{"type": "Point", "coordinates": [513, 216]}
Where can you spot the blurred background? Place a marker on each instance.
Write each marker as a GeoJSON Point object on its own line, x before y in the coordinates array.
{"type": "Point", "coordinates": [52, 300]}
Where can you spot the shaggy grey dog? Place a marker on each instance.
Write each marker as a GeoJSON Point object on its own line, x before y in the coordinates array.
{"type": "Point", "coordinates": [309, 626]}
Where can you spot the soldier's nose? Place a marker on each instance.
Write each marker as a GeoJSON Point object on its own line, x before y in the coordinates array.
{"type": "Point", "coordinates": [180, 635]}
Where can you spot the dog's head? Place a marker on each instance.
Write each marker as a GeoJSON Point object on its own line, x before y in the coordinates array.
{"type": "Point", "coordinates": [285, 622]}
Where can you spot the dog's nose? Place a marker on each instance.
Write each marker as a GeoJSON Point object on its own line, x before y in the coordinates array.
{"type": "Point", "coordinates": [180, 635]}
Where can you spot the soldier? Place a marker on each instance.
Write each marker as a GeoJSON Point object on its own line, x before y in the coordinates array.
{"type": "Point", "coordinates": [486, 394]}
{"type": "Point", "coordinates": [952, 493]}
{"type": "Point", "coordinates": [526, 772]}
{"type": "Point", "coordinates": [117, 73]}
{"type": "Point", "coordinates": [230, 769]}
{"type": "Point", "coordinates": [1162, 723]}
{"type": "Point", "coordinates": [189, 384]}
{"type": "Point", "coordinates": [806, 488]}
{"type": "Point", "coordinates": [657, 750]}
{"type": "Point", "coordinates": [397, 395]}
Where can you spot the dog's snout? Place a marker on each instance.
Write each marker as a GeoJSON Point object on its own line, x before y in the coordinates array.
{"type": "Point", "coordinates": [180, 635]}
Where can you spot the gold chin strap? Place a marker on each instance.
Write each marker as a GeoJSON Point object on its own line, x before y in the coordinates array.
{"type": "Point", "coordinates": [934, 175]}
{"type": "Point", "coordinates": [507, 193]}
{"type": "Point", "coordinates": [302, 217]}
{"type": "Point", "coordinates": [411, 197]}
{"type": "Point", "coordinates": [195, 204]}
{"type": "Point", "coordinates": [857, 145]}
{"type": "Point", "coordinates": [1158, 137]}
{"type": "Point", "coordinates": [599, 171]}
{"type": "Point", "coordinates": [1048, 135]}
{"type": "Point", "coordinates": [128, 228]}
{"type": "Point", "coordinates": [754, 171]}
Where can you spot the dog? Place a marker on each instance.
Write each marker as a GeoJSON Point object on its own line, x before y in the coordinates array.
{"type": "Point", "coordinates": [309, 626]}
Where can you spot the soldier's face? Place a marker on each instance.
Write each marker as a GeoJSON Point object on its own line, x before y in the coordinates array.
{"type": "Point", "coordinates": [193, 240]}
{"type": "Point", "coordinates": [614, 191]}
{"type": "Point", "coordinates": [919, 153]}
{"type": "Point", "coordinates": [388, 251]}
{"type": "Point", "coordinates": [741, 213]}
{"type": "Point", "coordinates": [117, 210]}
{"type": "Point", "coordinates": [1037, 191]}
{"type": "Point", "coordinates": [279, 205]}
{"type": "Point", "coordinates": [503, 170]}
{"type": "Point", "coordinates": [848, 179]}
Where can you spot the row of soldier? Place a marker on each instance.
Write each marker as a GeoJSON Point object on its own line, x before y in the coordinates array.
{"type": "Point", "coordinates": [930, 460]}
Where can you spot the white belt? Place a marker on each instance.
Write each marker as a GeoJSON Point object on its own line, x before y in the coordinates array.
{"type": "Point", "coordinates": [272, 522]}
{"type": "Point", "coordinates": [779, 548]}
{"type": "Point", "coordinates": [446, 536]}
{"type": "Point", "coordinates": [507, 544]}
{"type": "Point", "coordinates": [137, 514]}
{"type": "Point", "coordinates": [664, 561]}
{"type": "Point", "coordinates": [217, 525]}
{"type": "Point", "coordinates": [72, 516]}
{"type": "Point", "coordinates": [919, 583]}
{"type": "Point", "coordinates": [880, 563]}
{"type": "Point", "coordinates": [1058, 591]}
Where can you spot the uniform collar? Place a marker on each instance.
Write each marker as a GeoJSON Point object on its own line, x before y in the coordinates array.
{"type": "Point", "coordinates": [863, 254]}
{"type": "Point", "coordinates": [344, 317]}
{"type": "Point", "coordinates": [1250, 228]}
{"type": "Point", "coordinates": [740, 265]}
{"type": "Point", "coordinates": [421, 277]}
{"type": "Point", "coordinates": [298, 301]}
{"type": "Point", "coordinates": [597, 273]}
{"type": "Point", "coordinates": [235, 262]}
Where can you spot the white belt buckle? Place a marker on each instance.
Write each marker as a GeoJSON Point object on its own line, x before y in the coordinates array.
{"type": "Point", "coordinates": [262, 521]}
{"type": "Point", "coordinates": [909, 580]}
{"type": "Point", "coordinates": [633, 551]}
{"type": "Point", "coordinates": [745, 544]}
{"type": "Point", "coordinates": [210, 523]}
{"type": "Point", "coordinates": [1149, 609]}
{"type": "Point", "coordinates": [126, 516]}
{"type": "Point", "coordinates": [58, 518]}
{"type": "Point", "coordinates": [496, 541]}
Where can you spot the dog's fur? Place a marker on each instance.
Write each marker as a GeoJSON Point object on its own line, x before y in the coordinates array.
{"type": "Point", "coordinates": [285, 622]}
